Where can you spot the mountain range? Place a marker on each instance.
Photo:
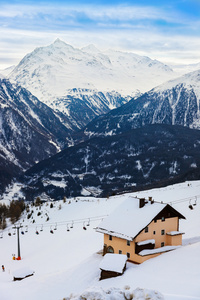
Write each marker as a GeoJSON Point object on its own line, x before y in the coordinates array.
{"type": "Point", "coordinates": [150, 156]}
{"type": "Point", "coordinates": [120, 143]}
{"type": "Point", "coordinates": [71, 80]}
{"type": "Point", "coordinates": [176, 102]}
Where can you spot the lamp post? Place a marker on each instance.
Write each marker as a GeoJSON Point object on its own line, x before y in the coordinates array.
{"type": "Point", "coordinates": [18, 242]}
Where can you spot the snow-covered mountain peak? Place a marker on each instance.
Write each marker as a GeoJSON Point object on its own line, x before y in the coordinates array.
{"type": "Point", "coordinates": [52, 72]}
{"type": "Point", "coordinates": [91, 49]}
{"type": "Point", "coordinates": [5, 72]}
{"type": "Point", "coordinates": [66, 67]}
{"type": "Point", "coordinates": [189, 81]}
{"type": "Point", "coordinates": [59, 42]}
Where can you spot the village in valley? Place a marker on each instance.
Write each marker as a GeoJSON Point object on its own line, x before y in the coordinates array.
{"type": "Point", "coordinates": [131, 244]}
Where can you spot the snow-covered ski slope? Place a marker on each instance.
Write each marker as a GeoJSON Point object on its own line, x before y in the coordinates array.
{"type": "Point", "coordinates": [67, 262]}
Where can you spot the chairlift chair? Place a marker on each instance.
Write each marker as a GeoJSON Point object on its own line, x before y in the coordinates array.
{"type": "Point", "coordinates": [51, 230]}
{"type": "Point", "coordinates": [72, 225]}
{"type": "Point", "coordinates": [190, 205]}
{"type": "Point", "coordinates": [68, 228]}
{"type": "Point", "coordinates": [84, 228]}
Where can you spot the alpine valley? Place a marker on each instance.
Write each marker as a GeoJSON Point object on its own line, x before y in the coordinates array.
{"type": "Point", "coordinates": [120, 122]}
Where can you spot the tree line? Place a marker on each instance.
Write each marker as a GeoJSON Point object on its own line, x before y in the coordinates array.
{"type": "Point", "coordinates": [12, 211]}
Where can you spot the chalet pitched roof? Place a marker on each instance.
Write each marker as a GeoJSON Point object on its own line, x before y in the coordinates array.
{"type": "Point", "coordinates": [128, 220]}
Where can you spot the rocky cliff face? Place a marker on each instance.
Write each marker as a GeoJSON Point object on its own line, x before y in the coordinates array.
{"type": "Point", "coordinates": [29, 130]}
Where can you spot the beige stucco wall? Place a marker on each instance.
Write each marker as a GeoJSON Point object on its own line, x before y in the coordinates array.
{"type": "Point", "coordinates": [174, 240]}
{"type": "Point", "coordinates": [170, 224]}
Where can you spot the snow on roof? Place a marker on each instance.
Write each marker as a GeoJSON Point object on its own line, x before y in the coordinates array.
{"type": "Point", "coordinates": [23, 272]}
{"type": "Point", "coordinates": [157, 250]}
{"type": "Point", "coordinates": [152, 241]}
{"type": "Point", "coordinates": [174, 233]}
{"type": "Point", "coordinates": [128, 219]}
{"type": "Point", "coordinates": [113, 262]}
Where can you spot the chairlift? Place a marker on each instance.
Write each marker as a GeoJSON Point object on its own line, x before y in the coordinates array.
{"type": "Point", "coordinates": [1, 236]}
{"type": "Point", "coordinates": [55, 227]}
{"type": "Point", "coordinates": [36, 231]}
{"type": "Point", "coordinates": [41, 229]}
{"type": "Point", "coordinates": [26, 230]}
{"type": "Point", "coordinates": [68, 228]}
{"type": "Point", "coordinates": [51, 230]}
{"type": "Point", "coordinates": [9, 233]}
{"type": "Point", "coordinates": [14, 232]}
{"type": "Point", "coordinates": [190, 205]}
{"type": "Point", "coordinates": [72, 225]}
{"type": "Point", "coordinates": [22, 232]}
{"type": "Point", "coordinates": [88, 224]}
{"type": "Point", "coordinates": [195, 203]}
{"type": "Point", "coordinates": [84, 228]}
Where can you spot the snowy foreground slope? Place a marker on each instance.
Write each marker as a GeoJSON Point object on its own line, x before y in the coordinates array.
{"type": "Point", "coordinates": [67, 262]}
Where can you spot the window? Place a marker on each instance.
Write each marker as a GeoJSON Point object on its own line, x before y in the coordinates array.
{"type": "Point", "coordinates": [120, 251]}
{"type": "Point", "coordinates": [128, 243]}
{"type": "Point", "coordinates": [155, 221]}
{"type": "Point", "coordinates": [162, 244]}
{"type": "Point", "coordinates": [110, 249]}
{"type": "Point", "coordinates": [163, 219]}
{"type": "Point", "coordinates": [110, 237]}
{"type": "Point", "coordinates": [162, 232]}
{"type": "Point", "coordinates": [128, 255]}
{"type": "Point", "coordinates": [146, 229]}
{"type": "Point", "coordinates": [154, 232]}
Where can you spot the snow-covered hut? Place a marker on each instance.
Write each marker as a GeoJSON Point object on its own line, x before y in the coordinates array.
{"type": "Point", "coordinates": [22, 273]}
{"type": "Point", "coordinates": [141, 229]}
{"type": "Point", "coordinates": [112, 265]}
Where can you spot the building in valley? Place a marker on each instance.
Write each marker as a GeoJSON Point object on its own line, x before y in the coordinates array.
{"type": "Point", "coordinates": [141, 229]}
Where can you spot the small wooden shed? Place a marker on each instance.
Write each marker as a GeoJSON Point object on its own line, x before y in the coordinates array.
{"type": "Point", "coordinates": [112, 265]}
{"type": "Point", "coordinates": [22, 273]}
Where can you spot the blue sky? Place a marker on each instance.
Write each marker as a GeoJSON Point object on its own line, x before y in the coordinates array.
{"type": "Point", "coordinates": [165, 30]}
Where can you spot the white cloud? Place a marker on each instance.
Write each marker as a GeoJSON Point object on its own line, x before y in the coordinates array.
{"type": "Point", "coordinates": [97, 13]}
{"type": "Point", "coordinates": [128, 28]}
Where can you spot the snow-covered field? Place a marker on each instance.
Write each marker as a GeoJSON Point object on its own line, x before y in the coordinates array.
{"type": "Point", "coordinates": [67, 262]}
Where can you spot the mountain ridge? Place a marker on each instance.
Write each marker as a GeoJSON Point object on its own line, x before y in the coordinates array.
{"type": "Point", "coordinates": [150, 156]}
{"type": "Point", "coordinates": [175, 102]}
{"type": "Point", "coordinates": [30, 131]}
